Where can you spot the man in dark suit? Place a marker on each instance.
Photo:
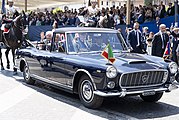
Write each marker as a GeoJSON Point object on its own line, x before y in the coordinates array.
{"type": "Point", "coordinates": [175, 40]}
{"type": "Point", "coordinates": [170, 10]}
{"type": "Point", "coordinates": [135, 41]}
{"type": "Point", "coordinates": [162, 10]}
{"type": "Point", "coordinates": [160, 41]}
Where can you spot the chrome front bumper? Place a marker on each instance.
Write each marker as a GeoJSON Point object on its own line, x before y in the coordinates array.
{"type": "Point", "coordinates": [124, 92]}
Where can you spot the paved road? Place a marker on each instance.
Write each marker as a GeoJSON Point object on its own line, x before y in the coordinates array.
{"type": "Point", "coordinates": [19, 101]}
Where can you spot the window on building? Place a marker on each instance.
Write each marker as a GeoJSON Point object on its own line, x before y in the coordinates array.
{"type": "Point", "coordinates": [101, 2]}
{"type": "Point", "coordinates": [119, 4]}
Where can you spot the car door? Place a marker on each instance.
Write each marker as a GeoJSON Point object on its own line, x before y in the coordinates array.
{"type": "Point", "coordinates": [34, 58]}
{"type": "Point", "coordinates": [42, 59]}
{"type": "Point", "coordinates": [55, 71]}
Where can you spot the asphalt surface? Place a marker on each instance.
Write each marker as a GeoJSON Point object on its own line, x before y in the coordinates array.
{"type": "Point", "coordinates": [19, 101]}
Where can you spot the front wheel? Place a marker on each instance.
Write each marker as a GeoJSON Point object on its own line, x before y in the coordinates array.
{"type": "Point", "coordinates": [26, 75]}
{"type": "Point", "coordinates": [152, 98]}
{"type": "Point", "coordinates": [86, 93]}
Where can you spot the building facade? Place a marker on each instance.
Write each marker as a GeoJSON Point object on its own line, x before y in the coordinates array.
{"type": "Point", "coordinates": [110, 3]}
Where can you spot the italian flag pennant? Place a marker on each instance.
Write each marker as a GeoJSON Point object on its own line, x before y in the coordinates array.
{"type": "Point", "coordinates": [167, 53]}
{"type": "Point", "coordinates": [108, 54]}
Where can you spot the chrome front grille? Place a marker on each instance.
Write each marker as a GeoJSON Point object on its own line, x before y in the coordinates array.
{"type": "Point", "coordinates": [141, 79]}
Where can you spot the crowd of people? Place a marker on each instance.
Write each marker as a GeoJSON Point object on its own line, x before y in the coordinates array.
{"type": "Point", "coordinates": [73, 17]}
{"type": "Point", "coordinates": [115, 15]}
{"type": "Point", "coordinates": [162, 44]}
{"type": "Point", "coordinates": [138, 41]}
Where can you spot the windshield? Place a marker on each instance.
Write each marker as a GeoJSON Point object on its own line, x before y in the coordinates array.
{"type": "Point", "coordinates": [94, 42]}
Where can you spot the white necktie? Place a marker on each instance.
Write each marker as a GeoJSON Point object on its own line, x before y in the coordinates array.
{"type": "Point", "coordinates": [137, 34]}
{"type": "Point", "coordinates": [163, 39]}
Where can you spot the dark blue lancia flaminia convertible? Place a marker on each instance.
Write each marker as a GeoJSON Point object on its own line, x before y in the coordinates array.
{"type": "Point", "coordinates": [72, 61]}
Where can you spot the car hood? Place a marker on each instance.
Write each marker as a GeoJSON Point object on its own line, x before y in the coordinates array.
{"type": "Point", "coordinates": [126, 62]}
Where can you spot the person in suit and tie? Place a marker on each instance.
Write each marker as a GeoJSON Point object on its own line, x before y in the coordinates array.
{"type": "Point", "coordinates": [135, 40]}
{"type": "Point", "coordinates": [175, 41]}
{"type": "Point", "coordinates": [160, 41]}
{"type": "Point", "coordinates": [79, 42]}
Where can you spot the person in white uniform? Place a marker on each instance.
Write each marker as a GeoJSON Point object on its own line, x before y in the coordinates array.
{"type": "Point", "coordinates": [93, 10]}
{"type": "Point", "coordinates": [11, 9]}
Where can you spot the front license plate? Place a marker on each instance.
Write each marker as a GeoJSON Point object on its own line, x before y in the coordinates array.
{"type": "Point", "coordinates": [147, 93]}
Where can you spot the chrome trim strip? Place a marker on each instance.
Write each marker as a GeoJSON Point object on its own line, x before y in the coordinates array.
{"type": "Point", "coordinates": [83, 70]}
{"type": "Point", "coordinates": [140, 77]}
{"type": "Point", "coordinates": [136, 78]}
{"type": "Point", "coordinates": [66, 43]}
{"type": "Point", "coordinates": [142, 61]}
{"type": "Point", "coordinates": [124, 92]}
{"type": "Point", "coordinates": [123, 40]}
{"type": "Point", "coordinates": [147, 70]}
{"type": "Point", "coordinates": [103, 94]}
{"type": "Point", "coordinates": [142, 86]}
{"type": "Point", "coordinates": [155, 70]}
{"type": "Point", "coordinates": [51, 82]}
{"type": "Point", "coordinates": [138, 92]}
{"type": "Point", "coordinates": [155, 76]}
{"type": "Point", "coordinates": [79, 31]}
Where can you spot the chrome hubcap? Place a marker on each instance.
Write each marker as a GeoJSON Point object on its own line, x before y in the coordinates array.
{"type": "Point", "coordinates": [26, 73]}
{"type": "Point", "coordinates": [87, 90]}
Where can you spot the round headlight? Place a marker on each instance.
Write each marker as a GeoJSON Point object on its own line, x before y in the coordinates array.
{"type": "Point", "coordinates": [111, 72]}
{"type": "Point", "coordinates": [173, 67]}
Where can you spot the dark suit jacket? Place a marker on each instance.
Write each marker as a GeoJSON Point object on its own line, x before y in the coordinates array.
{"type": "Point", "coordinates": [174, 53]}
{"type": "Point", "coordinates": [157, 44]}
{"type": "Point", "coordinates": [140, 19]}
{"type": "Point", "coordinates": [175, 42]}
{"type": "Point", "coordinates": [132, 42]}
{"type": "Point", "coordinates": [175, 46]}
{"type": "Point", "coordinates": [171, 11]}
{"type": "Point", "coordinates": [162, 13]}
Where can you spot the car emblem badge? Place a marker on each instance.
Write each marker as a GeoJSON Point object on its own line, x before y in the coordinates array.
{"type": "Point", "coordinates": [144, 78]}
